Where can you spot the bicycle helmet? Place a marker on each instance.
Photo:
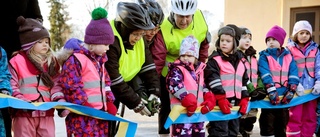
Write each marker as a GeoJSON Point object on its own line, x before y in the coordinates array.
{"type": "Point", "coordinates": [133, 16]}
{"type": "Point", "coordinates": [154, 10]}
{"type": "Point", "coordinates": [184, 7]}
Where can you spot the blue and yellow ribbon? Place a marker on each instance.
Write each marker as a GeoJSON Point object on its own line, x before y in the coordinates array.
{"type": "Point", "coordinates": [128, 128]}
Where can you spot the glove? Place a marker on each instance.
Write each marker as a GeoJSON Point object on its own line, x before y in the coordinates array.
{"type": "Point", "coordinates": [223, 103]}
{"type": "Point", "coordinates": [273, 94]}
{"type": "Point", "coordinates": [258, 94]}
{"type": "Point", "coordinates": [288, 95]}
{"type": "Point", "coordinates": [63, 112]}
{"type": "Point", "coordinates": [5, 92]}
{"type": "Point", "coordinates": [208, 103]}
{"type": "Point", "coordinates": [111, 108]}
{"type": "Point", "coordinates": [142, 109]}
{"type": "Point", "coordinates": [243, 105]}
{"type": "Point", "coordinates": [190, 102]}
{"type": "Point", "coordinates": [300, 90]}
{"type": "Point", "coordinates": [316, 88]}
{"type": "Point", "coordinates": [153, 104]}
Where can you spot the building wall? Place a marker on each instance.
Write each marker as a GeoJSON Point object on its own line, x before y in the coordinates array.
{"type": "Point", "coordinates": [260, 15]}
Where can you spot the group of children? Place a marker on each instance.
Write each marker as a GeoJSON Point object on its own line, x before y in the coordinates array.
{"type": "Point", "coordinates": [231, 77]}
{"type": "Point", "coordinates": [233, 74]}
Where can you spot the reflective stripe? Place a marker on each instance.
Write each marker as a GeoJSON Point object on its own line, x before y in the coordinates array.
{"type": "Point", "coordinates": [91, 84]}
{"type": "Point", "coordinates": [116, 81]}
{"type": "Point", "coordinates": [179, 92]}
{"type": "Point", "coordinates": [230, 77]}
{"type": "Point", "coordinates": [147, 68]}
{"type": "Point", "coordinates": [293, 133]}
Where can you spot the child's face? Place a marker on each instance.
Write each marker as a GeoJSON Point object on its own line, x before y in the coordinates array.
{"type": "Point", "coordinates": [135, 36]}
{"type": "Point", "coordinates": [303, 36]}
{"type": "Point", "coordinates": [150, 33]}
{"type": "Point", "coordinates": [245, 42]}
{"type": "Point", "coordinates": [272, 43]}
{"type": "Point", "coordinates": [226, 43]}
{"type": "Point", "coordinates": [100, 49]}
{"type": "Point", "coordinates": [188, 57]}
{"type": "Point", "coordinates": [42, 46]}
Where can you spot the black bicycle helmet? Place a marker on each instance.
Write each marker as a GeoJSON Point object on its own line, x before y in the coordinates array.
{"type": "Point", "coordinates": [154, 10]}
{"type": "Point", "coordinates": [133, 16]}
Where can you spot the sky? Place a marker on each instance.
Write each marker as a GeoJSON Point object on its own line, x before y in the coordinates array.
{"type": "Point", "coordinates": [79, 12]}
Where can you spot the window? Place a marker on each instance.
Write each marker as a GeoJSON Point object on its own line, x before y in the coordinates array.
{"type": "Point", "coordinates": [311, 14]}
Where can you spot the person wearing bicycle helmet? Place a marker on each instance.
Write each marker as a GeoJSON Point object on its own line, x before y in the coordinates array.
{"type": "Point", "coordinates": [130, 64]}
{"type": "Point", "coordinates": [156, 15]}
{"type": "Point", "coordinates": [184, 19]}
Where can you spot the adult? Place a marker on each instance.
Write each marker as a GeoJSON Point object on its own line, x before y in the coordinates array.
{"type": "Point", "coordinates": [184, 19]}
{"type": "Point", "coordinates": [9, 37]}
{"type": "Point", "coordinates": [130, 62]}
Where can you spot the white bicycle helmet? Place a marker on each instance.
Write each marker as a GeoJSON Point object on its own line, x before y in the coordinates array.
{"type": "Point", "coordinates": [184, 7]}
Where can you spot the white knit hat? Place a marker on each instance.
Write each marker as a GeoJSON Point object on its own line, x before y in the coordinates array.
{"type": "Point", "coordinates": [301, 25]}
{"type": "Point", "coordinates": [190, 44]}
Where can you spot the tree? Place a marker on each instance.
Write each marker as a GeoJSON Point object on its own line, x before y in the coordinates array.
{"type": "Point", "coordinates": [59, 30]}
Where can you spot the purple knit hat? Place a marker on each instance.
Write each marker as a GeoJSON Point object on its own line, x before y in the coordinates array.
{"type": "Point", "coordinates": [190, 44]}
{"type": "Point", "coordinates": [277, 33]}
{"type": "Point", "coordinates": [99, 30]}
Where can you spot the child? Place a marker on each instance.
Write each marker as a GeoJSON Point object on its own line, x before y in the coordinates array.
{"type": "Point", "coordinates": [34, 72]}
{"type": "Point", "coordinates": [279, 74]}
{"type": "Point", "coordinates": [256, 87]}
{"type": "Point", "coordinates": [226, 77]}
{"type": "Point", "coordinates": [85, 80]}
{"type": "Point", "coordinates": [186, 84]}
{"type": "Point", "coordinates": [302, 121]}
{"type": "Point", "coordinates": [5, 87]}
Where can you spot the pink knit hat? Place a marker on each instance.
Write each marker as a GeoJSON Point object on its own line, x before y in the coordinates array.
{"type": "Point", "coordinates": [277, 33]}
{"type": "Point", "coordinates": [189, 44]}
{"type": "Point", "coordinates": [301, 25]}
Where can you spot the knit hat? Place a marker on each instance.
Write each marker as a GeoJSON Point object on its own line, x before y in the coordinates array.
{"type": "Point", "coordinates": [245, 31]}
{"type": "Point", "coordinates": [99, 30]}
{"type": "Point", "coordinates": [190, 44]}
{"type": "Point", "coordinates": [301, 25]}
{"type": "Point", "coordinates": [277, 33]}
{"type": "Point", "coordinates": [30, 31]}
{"type": "Point", "coordinates": [237, 31]}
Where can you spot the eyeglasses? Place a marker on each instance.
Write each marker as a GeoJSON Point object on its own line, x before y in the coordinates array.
{"type": "Point", "coordinates": [156, 29]}
{"type": "Point", "coordinates": [138, 35]}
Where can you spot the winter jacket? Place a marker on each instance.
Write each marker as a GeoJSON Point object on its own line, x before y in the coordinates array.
{"type": "Point", "coordinates": [73, 72]}
{"type": "Point", "coordinates": [305, 79]}
{"type": "Point", "coordinates": [121, 89]}
{"type": "Point", "coordinates": [183, 79]}
{"type": "Point", "coordinates": [212, 72]}
{"type": "Point", "coordinates": [278, 55]}
{"type": "Point", "coordinates": [160, 50]}
{"type": "Point", "coordinates": [5, 74]}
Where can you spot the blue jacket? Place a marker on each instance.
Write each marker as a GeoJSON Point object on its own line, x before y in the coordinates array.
{"type": "Point", "coordinates": [305, 79]}
{"type": "Point", "coordinates": [5, 75]}
{"type": "Point", "coordinates": [264, 69]}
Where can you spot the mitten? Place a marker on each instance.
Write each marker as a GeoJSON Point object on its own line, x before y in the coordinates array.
{"type": "Point", "coordinates": [208, 103]}
{"type": "Point", "coordinates": [258, 94]}
{"type": "Point", "coordinates": [111, 108]}
{"type": "Point", "coordinates": [223, 103]}
{"type": "Point", "coordinates": [273, 94]}
{"type": "Point", "coordinates": [316, 88]}
{"type": "Point", "coordinates": [289, 93]}
{"type": "Point", "coordinates": [300, 90]}
{"type": "Point", "coordinates": [243, 105]}
{"type": "Point", "coordinates": [142, 109]}
{"type": "Point", "coordinates": [190, 102]}
{"type": "Point", "coordinates": [3, 91]}
{"type": "Point", "coordinates": [63, 112]}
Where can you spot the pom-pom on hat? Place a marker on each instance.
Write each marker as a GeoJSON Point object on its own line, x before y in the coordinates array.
{"type": "Point", "coordinates": [190, 45]}
{"type": "Point", "coordinates": [301, 25]}
{"type": "Point", "coordinates": [99, 30]}
{"type": "Point", "coordinates": [30, 31]}
{"type": "Point", "coordinates": [277, 33]}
